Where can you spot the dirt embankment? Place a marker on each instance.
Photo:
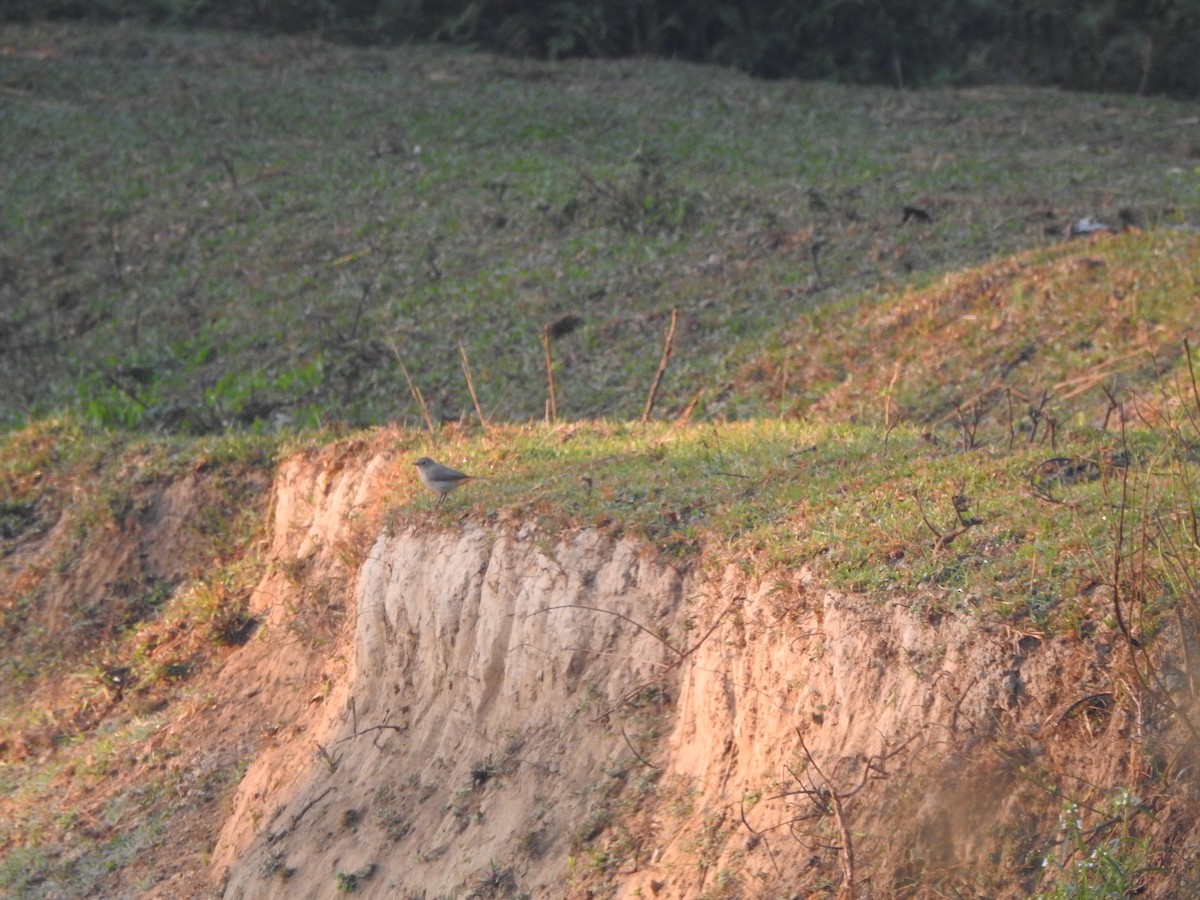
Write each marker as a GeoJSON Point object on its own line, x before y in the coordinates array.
{"type": "Point", "coordinates": [477, 708]}
{"type": "Point", "coordinates": [511, 713]}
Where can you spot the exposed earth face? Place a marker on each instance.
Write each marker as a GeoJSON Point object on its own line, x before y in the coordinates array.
{"type": "Point", "coordinates": [487, 710]}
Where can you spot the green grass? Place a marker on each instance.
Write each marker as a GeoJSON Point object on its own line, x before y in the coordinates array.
{"type": "Point", "coordinates": [865, 509]}
{"type": "Point", "coordinates": [205, 232]}
{"type": "Point", "coordinates": [247, 238]}
{"type": "Point", "coordinates": [74, 639]}
{"type": "Point", "coordinates": [1068, 331]}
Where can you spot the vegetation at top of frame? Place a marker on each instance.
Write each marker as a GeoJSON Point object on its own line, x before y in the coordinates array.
{"type": "Point", "coordinates": [204, 232]}
{"type": "Point", "coordinates": [1123, 45]}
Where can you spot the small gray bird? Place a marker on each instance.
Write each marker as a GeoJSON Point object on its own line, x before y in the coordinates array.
{"type": "Point", "coordinates": [438, 478]}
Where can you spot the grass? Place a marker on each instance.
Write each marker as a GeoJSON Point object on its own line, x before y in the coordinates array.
{"type": "Point", "coordinates": [867, 510]}
{"type": "Point", "coordinates": [204, 232]}
{"type": "Point", "coordinates": [1080, 324]}
{"type": "Point", "coordinates": [240, 239]}
{"type": "Point", "coordinates": [95, 654]}
{"type": "Point", "coordinates": [87, 488]}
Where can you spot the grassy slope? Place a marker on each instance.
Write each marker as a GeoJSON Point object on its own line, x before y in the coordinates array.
{"type": "Point", "coordinates": [187, 270]}
{"type": "Point", "coordinates": [202, 231]}
{"type": "Point", "coordinates": [849, 499]}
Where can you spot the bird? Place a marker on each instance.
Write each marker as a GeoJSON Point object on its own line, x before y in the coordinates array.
{"type": "Point", "coordinates": [438, 478]}
{"type": "Point", "coordinates": [1088, 226]}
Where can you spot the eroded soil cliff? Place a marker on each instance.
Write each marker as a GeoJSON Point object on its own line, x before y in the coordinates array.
{"type": "Point", "coordinates": [513, 713]}
{"type": "Point", "coordinates": [476, 706]}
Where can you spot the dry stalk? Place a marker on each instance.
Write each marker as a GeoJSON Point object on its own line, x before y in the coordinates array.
{"type": "Point", "coordinates": [888, 424]}
{"type": "Point", "coordinates": [628, 743]}
{"type": "Point", "coordinates": [412, 388]}
{"type": "Point", "coordinates": [662, 366]}
{"type": "Point", "coordinates": [944, 539]}
{"type": "Point", "coordinates": [551, 394]}
{"type": "Point", "coordinates": [686, 416]}
{"type": "Point", "coordinates": [829, 801]}
{"type": "Point", "coordinates": [466, 367]}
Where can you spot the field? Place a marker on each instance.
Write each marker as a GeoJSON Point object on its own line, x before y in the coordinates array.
{"type": "Point", "coordinates": [203, 233]}
{"type": "Point", "coordinates": [773, 324]}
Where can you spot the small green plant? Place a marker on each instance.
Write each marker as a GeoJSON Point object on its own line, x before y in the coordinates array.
{"type": "Point", "coordinates": [349, 882]}
{"type": "Point", "coordinates": [276, 865]}
{"type": "Point", "coordinates": [226, 616]}
{"type": "Point", "coordinates": [484, 771]}
{"type": "Point", "coordinates": [1101, 861]}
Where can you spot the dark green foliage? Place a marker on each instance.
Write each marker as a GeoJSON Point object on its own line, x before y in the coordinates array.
{"type": "Point", "coordinates": [1123, 45]}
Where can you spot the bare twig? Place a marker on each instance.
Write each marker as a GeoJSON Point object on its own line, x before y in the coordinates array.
{"type": "Point", "coordinates": [124, 389]}
{"type": "Point", "coordinates": [551, 394]}
{"type": "Point", "coordinates": [829, 801]}
{"type": "Point", "coordinates": [466, 367]}
{"type": "Point", "coordinates": [1118, 551]}
{"type": "Point", "coordinates": [783, 382]}
{"type": "Point", "coordinates": [1089, 699]}
{"type": "Point", "coordinates": [662, 366]}
{"type": "Point", "coordinates": [412, 388]}
{"type": "Point", "coordinates": [117, 257]}
{"type": "Point", "coordinates": [916, 495]}
{"type": "Point", "coordinates": [431, 261]}
{"type": "Point", "coordinates": [366, 289]}
{"type": "Point", "coordinates": [633, 749]}
{"type": "Point", "coordinates": [761, 835]}
{"type": "Point", "coordinates": [815, 246]}
{"type": "Point", "coordinates": [684, 417]}
{"type": "Point", "coordinates": [969, 419]}
{"type": "Point", "coordinates": [1037, 414]}
{"type": "Point", "coordinates": [944, 539]}
{"type": "Point", "coordinates": [1083, 382]}
{"type": "Point", "coordinates": [331, 760]}
{"type": "Point", "coordinates": [888, 423]}
{"type": "Point", "coordinates": [1187, 349]}
{"type": "Point", "coordinates": [295, 820]}
{"type": "Point", "coordinates": [638, 625]}
{"type": "Point", "coordinates": [382, 727]}
{"type": "Point", "coordinates": [680, 655]}
{"type": "Point", "coordinates": [1012, 432]}
{"type": "Point", "coordinates": [227, 163]}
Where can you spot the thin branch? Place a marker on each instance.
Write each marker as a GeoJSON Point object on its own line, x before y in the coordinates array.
{"type": "Point", "coordinates": [916, 495]}
{"type": "Point", "coordinates": [662, 366]}
{"type": "Point", "coordinates": [1089, 699]}
{"type": "Point", "coordinates": [846, 858]}
{"type": "Point", "coordinates": [633, 749]}
{"type": "Point", "coordinates": [412, 388]}
{"type": "Point", "coordinates": [680, 655]}
{"type": "Point", "coordinates": [684, 417]}
{"type": "Point", "coordinates": [888, 424]}
{"type": "Point", "coordinates": [762, 835]}
{"type": "Point", "coordinates": [625, 698]}
{"type": "Point", "coordinates": [1036, 414]}
{"type": "Point", "coordinates": [944, 539]}
{"type": "Point", "coordinates": [638, 625]}
{"type": "Point", "coordinates": [1187, 349]}
{"type": "Point", "coordinates": [383, 727]}
{"type": "Point", "coordinates": [295, 820]}
{"type": "Point", "coordinates": [466, 367]}
{"type": "Point", "coordinates": [551, 393]}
